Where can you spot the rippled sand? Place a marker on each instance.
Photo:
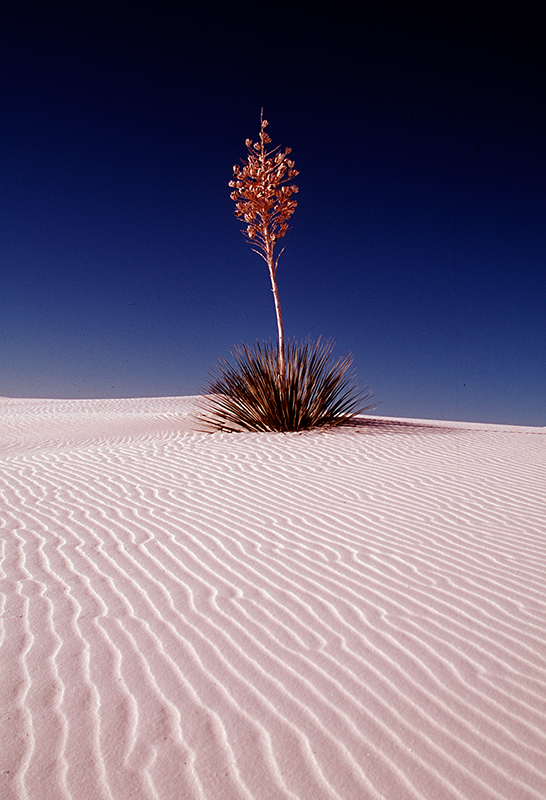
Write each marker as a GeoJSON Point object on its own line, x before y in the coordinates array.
{"type": "Point", "coordinates": [351, 614]}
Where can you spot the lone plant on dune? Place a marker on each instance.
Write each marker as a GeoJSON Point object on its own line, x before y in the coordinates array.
{"type": "Point", "coordinates": [284, 388]}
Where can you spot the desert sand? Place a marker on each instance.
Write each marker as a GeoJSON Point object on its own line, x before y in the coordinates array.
{"type": "Point", "coordinates": [354, 614]}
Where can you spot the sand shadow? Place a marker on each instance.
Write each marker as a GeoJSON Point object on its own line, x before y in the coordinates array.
{"type": "Point", "coordinates": [374, 426]}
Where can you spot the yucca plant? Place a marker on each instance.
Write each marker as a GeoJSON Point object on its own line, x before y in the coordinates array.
{"type": "Point", "coordinates": [284, 388]}
{"type": "Point", "coordinates": [247, 395]}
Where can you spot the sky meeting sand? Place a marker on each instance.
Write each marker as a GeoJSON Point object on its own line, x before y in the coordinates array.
{"type": "Point", "coordinates": [355, 614]}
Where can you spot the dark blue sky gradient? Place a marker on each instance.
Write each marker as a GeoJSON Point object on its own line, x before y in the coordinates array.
{"type": "Point", "coordinates": [417, 244]}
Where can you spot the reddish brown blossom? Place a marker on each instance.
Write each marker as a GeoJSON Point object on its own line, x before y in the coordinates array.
{"type": "Point", "coordinates": [262, 195]}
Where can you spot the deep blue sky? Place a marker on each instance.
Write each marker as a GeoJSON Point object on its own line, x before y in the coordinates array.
{"type": "Point", "coordinates": [417, 244]}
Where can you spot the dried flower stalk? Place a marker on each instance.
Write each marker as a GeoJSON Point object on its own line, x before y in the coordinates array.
{"type": "Point", "coordinates": [263, 200]}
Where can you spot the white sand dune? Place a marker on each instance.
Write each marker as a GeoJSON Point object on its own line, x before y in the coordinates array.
{"type": "Point", "coordinates": [351, 615]}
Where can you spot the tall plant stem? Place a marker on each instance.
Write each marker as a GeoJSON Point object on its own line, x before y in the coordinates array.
{"type": "Point", "coordinates": [263, 199]}
{"type": "Point", "coordinates": [270, 240]}
{"type": "Point", "coordinates": [280, 327]}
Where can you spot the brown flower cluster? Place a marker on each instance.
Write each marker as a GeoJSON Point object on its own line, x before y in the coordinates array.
{"type": "Point", "coordinates": [262, 195]}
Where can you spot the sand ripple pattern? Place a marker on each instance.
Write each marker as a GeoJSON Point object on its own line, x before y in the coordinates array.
{"type": "Point", "coordinates": [353, 615]}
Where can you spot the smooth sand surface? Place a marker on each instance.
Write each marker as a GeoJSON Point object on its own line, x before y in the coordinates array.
{"type": "Point", "coordinates": [345, 615]}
